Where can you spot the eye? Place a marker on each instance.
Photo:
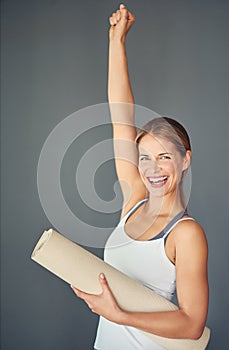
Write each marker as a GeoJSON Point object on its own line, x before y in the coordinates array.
{"type": "Point", "coordinates": [165, 156]}
{"type": "Point", "coordinates": [141, 158]}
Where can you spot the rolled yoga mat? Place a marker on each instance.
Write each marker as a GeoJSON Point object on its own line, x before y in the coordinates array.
{"type": "Point", "coordinates": [80, 268]}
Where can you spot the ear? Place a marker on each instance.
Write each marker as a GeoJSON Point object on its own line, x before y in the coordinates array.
{"type": "Point", "coordinates": [187, 160]}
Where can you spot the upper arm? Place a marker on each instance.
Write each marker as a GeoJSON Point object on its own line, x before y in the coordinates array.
{"type": "Point", "coordinates": [126, 162]}
{"type": "Point", "coordinates": [191, 266]}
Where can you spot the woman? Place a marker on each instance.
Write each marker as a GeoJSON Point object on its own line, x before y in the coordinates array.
{"type": "Point", "coordinates": [166, 248]}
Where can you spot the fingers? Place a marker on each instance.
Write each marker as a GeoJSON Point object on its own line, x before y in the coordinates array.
{"type": "Point", "coordinates": [78, 292]}
{"type": "Point", "coordinates": [121, 14]}
{"type": "Point", "coordinates": [98, 303]}
{"type": "Point", "coordinates": [115, 18]}
{"type": "Point", "coordinates": [84, 295]}
{"type": "Point", "coordinates": [88, 298]}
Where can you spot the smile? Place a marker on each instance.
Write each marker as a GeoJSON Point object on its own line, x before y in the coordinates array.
{"type": "Point", "coordinates": [157, 181]}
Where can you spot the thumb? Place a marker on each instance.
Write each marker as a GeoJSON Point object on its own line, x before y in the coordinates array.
{"type": "Point", "coordinates": [126, 16]}
{"type": "Point", "coordinates": [103, 282]}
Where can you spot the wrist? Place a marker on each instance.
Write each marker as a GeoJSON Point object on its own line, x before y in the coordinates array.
{"type": "Point", "coordinates": [124, 318]}
{"type": "Point", "coordinates": [118, 41]}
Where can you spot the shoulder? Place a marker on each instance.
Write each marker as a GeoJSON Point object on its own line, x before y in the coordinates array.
{"type": "Point", "coordinates": [188, 229]}
{"type": "Point", "coordinates": [189, 235]}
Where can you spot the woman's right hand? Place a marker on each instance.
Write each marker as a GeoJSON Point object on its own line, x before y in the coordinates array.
{"type": "Point", "coordinates": [121, 21]}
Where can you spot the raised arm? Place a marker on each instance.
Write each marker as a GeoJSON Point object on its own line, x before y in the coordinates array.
{"type": "Point", "coordinates": [121, 103]}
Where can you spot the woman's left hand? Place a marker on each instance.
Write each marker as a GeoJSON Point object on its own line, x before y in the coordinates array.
{"type": "Point", "coordinates": [104, 304]}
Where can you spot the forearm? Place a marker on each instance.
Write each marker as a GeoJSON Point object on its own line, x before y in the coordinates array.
{"type": "Point", "coordinates": [169, 324]}
{"type": "Point", "coordinates": [119, 87]}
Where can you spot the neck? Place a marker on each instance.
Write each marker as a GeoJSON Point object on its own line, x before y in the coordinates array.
{"type": "Point", "coordinates": [168, 205]}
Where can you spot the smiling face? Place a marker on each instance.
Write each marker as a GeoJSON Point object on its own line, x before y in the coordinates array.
{"type": "Point", "coordinates": [161, 165]}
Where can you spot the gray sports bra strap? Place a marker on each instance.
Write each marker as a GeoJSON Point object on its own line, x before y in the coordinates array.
{"type": "Point", "coordinates": [172, 227]}
{"type": "Point", "coordinates": [135, 207]}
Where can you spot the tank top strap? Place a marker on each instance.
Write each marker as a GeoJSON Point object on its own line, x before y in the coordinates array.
{"type": "Point", "coordinates": [167, 232]}
{"type": "Point", "coordinates": [132, 210]}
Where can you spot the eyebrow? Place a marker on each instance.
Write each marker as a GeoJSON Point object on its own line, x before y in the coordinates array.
{"type": "Point", "coordinates": [162, 154]}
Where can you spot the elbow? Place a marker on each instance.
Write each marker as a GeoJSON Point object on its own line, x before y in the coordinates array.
{"type": "Point", "coordinates": [193, 328]}
{"type": "Point", "coordinates": [194, 325]}
{"type": "Point", "coordinates": [196, 336]}
{"type": "Point", "coordinates": [195, 333]}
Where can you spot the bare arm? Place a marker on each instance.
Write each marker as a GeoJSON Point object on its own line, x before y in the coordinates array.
{"type": "Point", "coordinates": [121, 101]}
{"type": "Point", "coordinates": [189, 240]}
{"type": "Point", "coordinates": [119, 87]}
{"type": "Point", "coordinates": [192, 290]}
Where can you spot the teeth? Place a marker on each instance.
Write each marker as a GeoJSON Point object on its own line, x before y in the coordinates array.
{"type": "Point", "coordinates": [157, 179]}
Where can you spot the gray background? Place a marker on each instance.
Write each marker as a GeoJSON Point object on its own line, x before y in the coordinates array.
{"type": "Point", "coordinates": [54, 62]}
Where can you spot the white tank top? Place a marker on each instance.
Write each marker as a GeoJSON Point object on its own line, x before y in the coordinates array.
{"type": "Point", "coordinates": [145, 262]}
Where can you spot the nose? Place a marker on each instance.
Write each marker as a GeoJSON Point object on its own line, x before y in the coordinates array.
{"type": "Point", "coordinates": [152, 166]}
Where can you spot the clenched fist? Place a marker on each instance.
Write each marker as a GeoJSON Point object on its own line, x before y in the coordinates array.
{"type": "Point", "coordinates": [121, 21]}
